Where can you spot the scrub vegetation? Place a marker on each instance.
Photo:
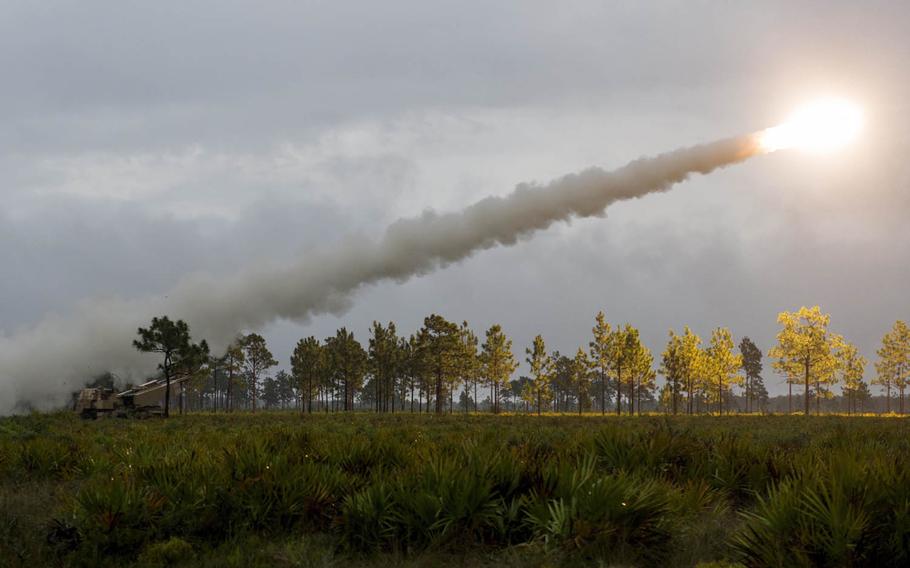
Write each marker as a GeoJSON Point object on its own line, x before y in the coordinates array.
{"type": "Point", "coordinates": [369, 489]}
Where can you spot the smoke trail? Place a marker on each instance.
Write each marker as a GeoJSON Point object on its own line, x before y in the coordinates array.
{"type": "Point", "coordinates": [41, 365]}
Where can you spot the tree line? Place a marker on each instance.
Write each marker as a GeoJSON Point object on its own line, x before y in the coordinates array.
{"type": "Point", "coordinates": [614, 373]}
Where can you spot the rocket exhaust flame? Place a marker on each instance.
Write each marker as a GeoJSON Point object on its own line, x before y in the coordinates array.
{"type": "Point", "coordinates": [822, 126]}
{"type": "Point", "coordinates": [39, 366]}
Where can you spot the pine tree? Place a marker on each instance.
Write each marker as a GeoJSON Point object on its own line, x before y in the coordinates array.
{"type": "Point", "coordinates": [540, 368]}
{"type": "Point", "coordinates": [439, 349]}
{"type": "Point", "coordinates": [752, 365]}
{"type": "Point", "coordinates": [270, 394]}
{"type": "Point", "coordinates": [347, 364]}
{"type": "Point", "coordinates": [257, 360]}
{"type": "Point", "coordinates": [581, 379]}
{"type": "Point", "coordinates": [852, 368]}
{"type": "Point", "coordinates": [643, 376]}
{"type": "Point", "coordinates": [691, 357]}
{"type": "Point", "coordinates": [760, 395]}
{"type": "Point", "coordinates": [497, 363]}
{"type": "Point", "coordinates": [287, 390]}
{"type": "Point", "coordinates": [409, 366]}
{"type": "Point", "coordinates": [600, 355]}
{"type": "Point", "coordinates": [671, 367]}
{"type": "Point", "coordinates": [383, 362]}
{"type": "Point", "coordinates": [723, 365]}
{"type": "Point", "coordinates": [806, 348]}
{"type": "Point", "coordinates": [307, 368]}
{"type": "Point", "coordinates": [862, 396]}
{"type": "Point", "coordinates": [893, 366]}
{"type": "Point", "coordinates": [519, 388]}
{"type": "Point", "coordinates": [172, 340]}
{"type": "Point", "coordinates": [468, 362]}
{"type": "Point", "coordinates": [560, 380]}
{"type": "Point", "coordinates": [621, 352]}
{"type": "Point", "coordinates": [232, 363]}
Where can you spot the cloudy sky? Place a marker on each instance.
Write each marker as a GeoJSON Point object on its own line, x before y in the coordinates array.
{"type": "Point", "coordinates": [142, 142]}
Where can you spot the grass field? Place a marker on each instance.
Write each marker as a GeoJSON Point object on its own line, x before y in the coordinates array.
{"type": "Point", "coordinates": [280, 490]}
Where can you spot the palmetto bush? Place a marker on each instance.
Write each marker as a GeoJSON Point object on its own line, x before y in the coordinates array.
{"type": "Point", "coordinates": [583, 510]}
{"type": "Point", "coordinates": [369, 520]}
{"type": "Point", "coordinates": [435, 503]}
{"type": "Point", "coordinates": [841, 512]}
{"type": "Point", "coordinates": [113, 516]}
{"type": "Point", "coordinates": [639, 491]}
{"type": "Point", "coordinates": [48, 457]}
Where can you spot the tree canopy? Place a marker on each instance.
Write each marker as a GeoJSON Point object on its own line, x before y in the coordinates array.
{"type": "Point", "coordinates": [806, 348]}
{"type": "Point", "coordinates": [181, 357]}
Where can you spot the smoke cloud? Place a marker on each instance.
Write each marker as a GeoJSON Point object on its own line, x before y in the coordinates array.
{"type": "Point", "coordinates": [41, 365]}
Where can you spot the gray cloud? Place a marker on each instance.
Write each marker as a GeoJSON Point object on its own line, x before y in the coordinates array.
{"type": "Point", "coordinates": [143, 143]}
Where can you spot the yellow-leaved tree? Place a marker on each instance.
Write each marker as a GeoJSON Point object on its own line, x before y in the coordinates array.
{"type": "Point", "coordinates": [722, 365]}
{"type": "Point", "coordinates": [893, 366]}
{"type": "Point", "coordinates": [641, 375]}
{"type": "Point", "coordinates": [852, 369]}
{"type": "Point", "coordinates": [806, 349]}
{"type": "Point", "coordinates": [679, 365]}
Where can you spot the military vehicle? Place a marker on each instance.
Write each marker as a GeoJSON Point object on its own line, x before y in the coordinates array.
{"type": "Point", "coordinates": [94, 403]}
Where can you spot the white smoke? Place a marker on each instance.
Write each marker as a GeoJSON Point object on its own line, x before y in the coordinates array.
{"type": "Point", "coordinates": [41, 365]}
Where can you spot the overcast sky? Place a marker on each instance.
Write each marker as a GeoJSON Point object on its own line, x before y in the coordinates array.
{"type": "Point", "coordinates": [144, 141]}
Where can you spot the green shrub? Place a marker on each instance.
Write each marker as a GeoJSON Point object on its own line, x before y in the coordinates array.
{"type": "Point", "coordinates": [114, 516]}
{"type": "Point", "coordinates": [171, 552]}
{"type": "Point", "coordinates": [632, 491]}
{"type": "Point", "coordinates": [840, 513]}
{"type": "Point", "coordinates": [613, 516]}
{"type": "Point", "coordinates": [368, 520]}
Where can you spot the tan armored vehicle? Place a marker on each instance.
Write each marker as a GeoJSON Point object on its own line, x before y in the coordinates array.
{"type": "Point", "coordinates": [142, 401]}
{"type": "Point", "coordinates": [95, 402]}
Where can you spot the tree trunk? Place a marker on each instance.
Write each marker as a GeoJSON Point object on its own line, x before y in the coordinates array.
{"type": "Point", "coordinates": [215, 389]}
{"type": "Point", "coordinates": [253, 387]}
{"type": "Point", "coordinates": [167, 387]}
{"type": "Point", "coordinates": [807, 388]}
{"type": "Point", "coordinates": [689, 393]}
{"type": "Point", "coordinates": [618, 390]}
{"type": "Point", "coordinates": [639, 396]}
{"type": "Point", "coordinates": [746, 394]}
{"type": "Point", "coordinates": [674, 392]}
{"type": "Point", "coordinates": [789, 396]}
{"type": "Point", "coordinates": [720, 396]}
{"type": "Point", "coordinates": [817, 398]}
{"type": "Point", "coordinates": [230, 389]}
{"type": "Point", "coordinates": [439, 400]}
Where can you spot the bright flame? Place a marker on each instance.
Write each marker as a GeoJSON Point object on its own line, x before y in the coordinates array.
{"type": "Point", "coordinates": [821, 126]}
